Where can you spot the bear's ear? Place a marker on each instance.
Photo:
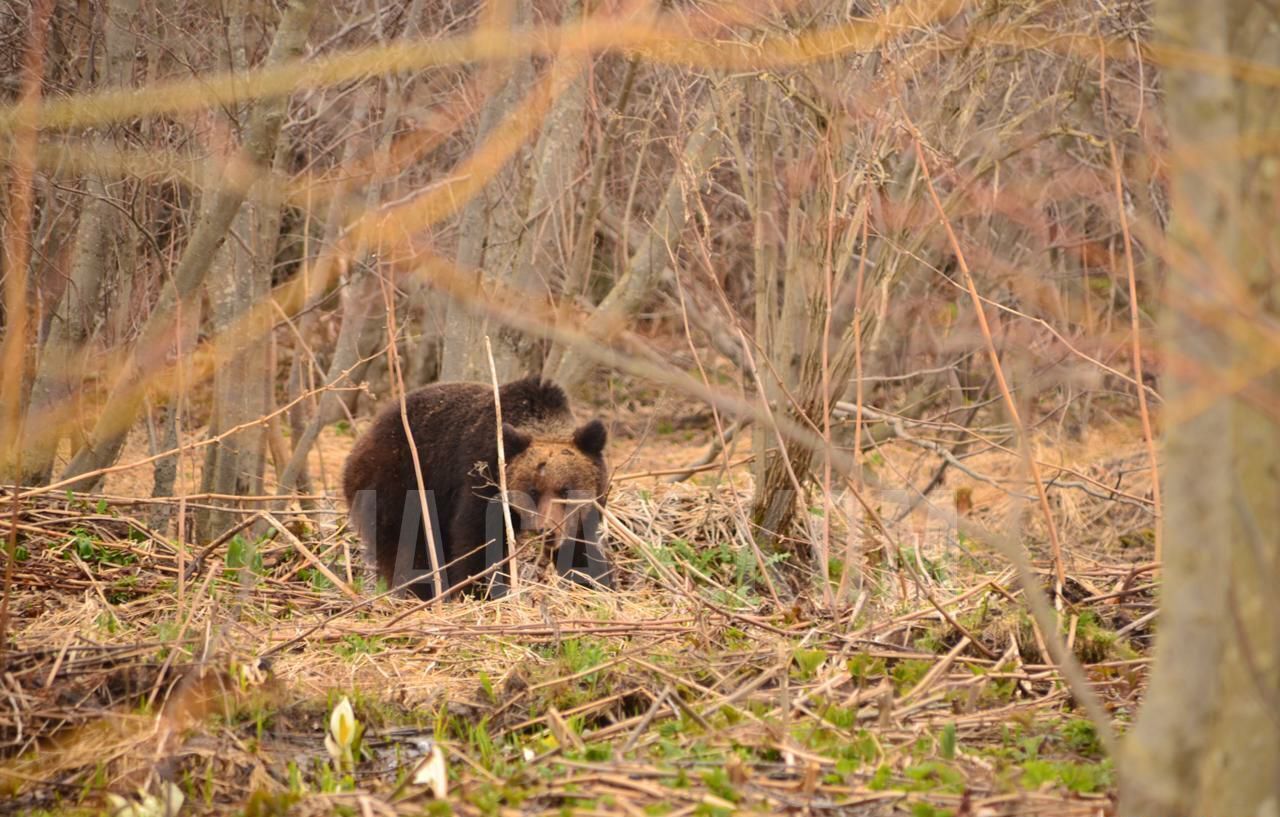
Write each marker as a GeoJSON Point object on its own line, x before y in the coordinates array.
{"type": "Point", "coordinates": [591, 438]}
{"type": "Point", "coordinates": [514, 441]}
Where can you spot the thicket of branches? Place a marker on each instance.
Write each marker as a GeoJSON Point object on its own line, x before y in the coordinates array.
{"type": "Point", "coordinates": [823, 199]}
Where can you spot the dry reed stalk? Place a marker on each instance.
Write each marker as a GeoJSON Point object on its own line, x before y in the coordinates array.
{"type": "Point", "coordinates": [1134, 324]}
{"type": "Point", "coordinates": [513, 571]}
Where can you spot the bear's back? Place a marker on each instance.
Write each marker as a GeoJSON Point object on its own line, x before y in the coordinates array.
{"type": "Point", "coordinates": [534, 405]}
{"type": "Point", "coordinates": [454, 427]}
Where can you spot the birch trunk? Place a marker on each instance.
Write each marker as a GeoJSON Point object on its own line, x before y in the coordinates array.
{"type": "Point", "coordinates": [240, 278]}
{"type": "Point", "coordinates": [542, 257]}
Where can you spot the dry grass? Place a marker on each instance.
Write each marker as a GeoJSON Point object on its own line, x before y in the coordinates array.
{"type": "Point", "coordinates": [690, 691]}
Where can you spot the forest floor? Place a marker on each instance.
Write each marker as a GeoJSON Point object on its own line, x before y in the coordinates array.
{"type": "Point", "coordinates": [703, 686]}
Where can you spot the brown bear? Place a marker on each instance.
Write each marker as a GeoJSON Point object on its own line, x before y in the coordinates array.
{"type": "Point", "coordinates": [556, 474]}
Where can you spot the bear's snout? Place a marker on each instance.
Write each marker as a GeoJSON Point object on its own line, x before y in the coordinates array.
{"type": "Point", "coordinates": [538, 522]}
{"type": "Point", "coordinates": [537, 514]}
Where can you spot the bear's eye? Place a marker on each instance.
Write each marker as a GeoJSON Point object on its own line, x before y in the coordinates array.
{"type": "Point", "coordinates": [563, 493]}
{"type": "Point", "coordinates": [534, 495]}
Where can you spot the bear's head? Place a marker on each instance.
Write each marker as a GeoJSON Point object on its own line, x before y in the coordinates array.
{"type": "Point", "coordinates": [553, 483]}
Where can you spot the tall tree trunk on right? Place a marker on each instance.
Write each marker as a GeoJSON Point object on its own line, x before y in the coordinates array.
{"type": "Point", "coordinates": [1207, 739]}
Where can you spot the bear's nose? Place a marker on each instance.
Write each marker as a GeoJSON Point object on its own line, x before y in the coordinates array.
{"type": "Point", "coordinates": [537, 522]}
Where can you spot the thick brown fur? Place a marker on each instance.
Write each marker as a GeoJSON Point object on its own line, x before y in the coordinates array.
{"type": "Point", "coordinates": [454, 431]}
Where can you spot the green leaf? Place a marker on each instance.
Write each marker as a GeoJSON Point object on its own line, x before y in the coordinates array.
{"type": "Point", "coordinates": [808, 661]}
{"type": "Point", "coordinates": [947, 742]}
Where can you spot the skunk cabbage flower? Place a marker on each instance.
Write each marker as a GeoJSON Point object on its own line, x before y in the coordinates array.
{"type": "Point", "coordinates": [343, 730]}
{"type": "Point", "coordinates": [147, 805]}
{"type": "Point", "coordinates": [431, 773]}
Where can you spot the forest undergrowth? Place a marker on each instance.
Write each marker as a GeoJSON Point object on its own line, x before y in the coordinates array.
{"type": "Point", "coordinates": [705, 685]}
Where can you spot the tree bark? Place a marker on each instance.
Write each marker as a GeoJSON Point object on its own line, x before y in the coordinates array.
{"type": "Point", "coordinates": [168, 436]}
{"type": "Point", "coordinates": [578, 275]}
{"type": "Point", "coordinates": [240, 278]}
{"type": "Point", "coordinates": [1207, 739]}
{"type": "Point", "coordinates": [257, 152]}
{"type": "Point", "coordinates": [807, 250]}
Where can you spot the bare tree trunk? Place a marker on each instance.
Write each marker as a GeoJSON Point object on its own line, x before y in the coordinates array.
{"type": "Point", "coordinates": [1207, 739]}
{"type": "Point", "coordinates": [79, 309]}
{"type": "Point", "coordinates": [463, 357]}
{"type": "Point", "coordinates": [542, 257]}
{"type": "Point", "coordinates": [257, 152]}
{"type": "Point", "coordinates": [802, 264]}
{"type": "Point", "coordinates": [240, 278]}
{"type": "Point", "coordinates": [299, 475]}
{"type": "Point", "coordinates": [646, 264]}
{"type": "Point", "coordinates": [169, 436]}
{"type": "Point", "coordinates": [303, 430]}
{"type": "Point", "coordinates": [583, 255]}
{"type": "Point", "coordinates": [360, 300]}
{"type": "Point", "coordinates": [793, 385]}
